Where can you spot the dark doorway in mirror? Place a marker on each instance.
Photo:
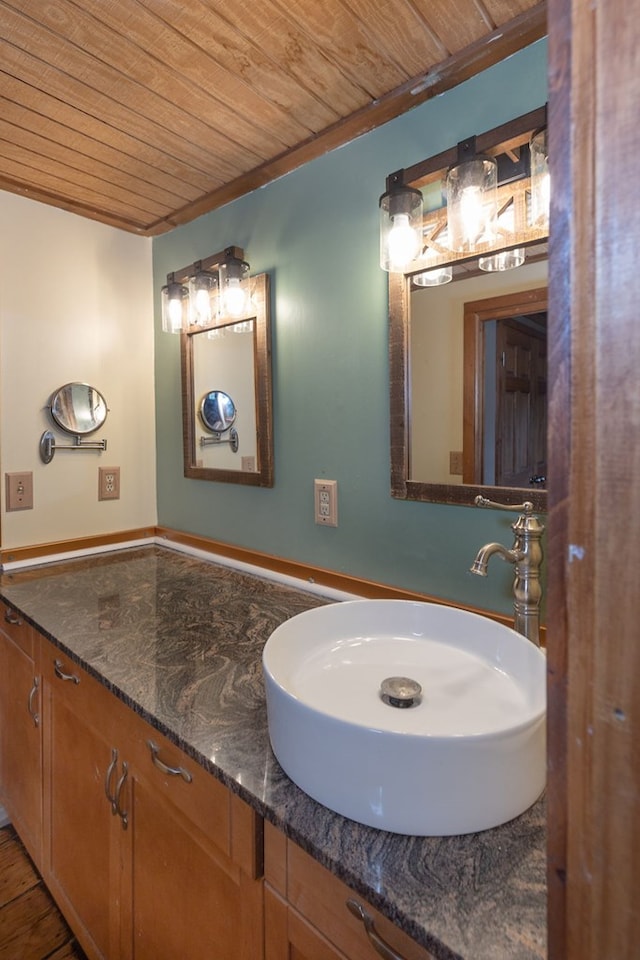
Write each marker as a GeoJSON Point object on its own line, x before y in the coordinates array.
{"type": "Point", "coordinates": [505, 390]}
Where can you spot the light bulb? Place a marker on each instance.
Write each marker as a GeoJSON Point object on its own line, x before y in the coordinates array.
{"type": "Point", "coordinates": [203, 307]}
{"type": "Point", "coordinates": [471, 202]}
{"type": "Point", "coordinates": [175, 314]}
{"type": "Point", "coordinates": [403, 242]}
{"type": "Point", "coordinates": [234, 298]}
{"type": "Point", "coordinates": [473, 215]}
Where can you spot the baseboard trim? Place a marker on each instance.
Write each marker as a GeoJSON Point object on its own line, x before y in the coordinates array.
{"type": "Point", "coordinates": [13, 558]}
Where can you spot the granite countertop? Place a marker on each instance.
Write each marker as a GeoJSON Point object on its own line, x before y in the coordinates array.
{"type": "Point", "coordinates": [180, 640]}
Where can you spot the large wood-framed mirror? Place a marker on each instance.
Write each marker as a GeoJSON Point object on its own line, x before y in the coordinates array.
{"type": "Point", "coordinates": [227, 396]}
{"type": "Point", "coordinates": [451, 387]}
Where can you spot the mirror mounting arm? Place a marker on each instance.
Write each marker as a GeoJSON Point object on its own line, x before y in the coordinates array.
{"type": "Point", "coordinates": [48, 445]}
{"type": "Point", "coordinates": [232, 440]}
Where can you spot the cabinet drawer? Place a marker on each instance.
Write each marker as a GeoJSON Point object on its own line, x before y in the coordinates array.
{"type": "Point", "coordinates": [180, 781]}
{"type": "Point", "coordinates": [17, 628]}
{"type": "Point", "coordinates": [319, 897]}
{"type": "Point", "coordinates": [83, 694]}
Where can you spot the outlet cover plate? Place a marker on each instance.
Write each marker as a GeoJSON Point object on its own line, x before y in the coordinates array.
{"type": "Point", "coordinates": [108, 483]}
{"type": "Point", "coordinates": [326, 502]}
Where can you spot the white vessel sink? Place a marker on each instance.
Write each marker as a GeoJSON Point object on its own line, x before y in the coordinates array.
{"type": "Point", "coordinates": [468, 755]}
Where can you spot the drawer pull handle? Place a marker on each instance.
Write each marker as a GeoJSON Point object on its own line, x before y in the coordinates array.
{"type": "Point", "coordinates": [59, 672]}
{"type": "Point", "coordinates": [124, 816]}
{"type": "Point", "coordinates": [111, 769]}
{"type": "Point", "coordinates": [32, 694]}
{"type": "Point", "coordinates": [170, 771]}
{"type": "Point", "coordinates": [10, 616]}
{"type": "Point", "coordinates": [378, 944]}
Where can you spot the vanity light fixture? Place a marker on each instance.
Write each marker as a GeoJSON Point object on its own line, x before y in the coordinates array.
{"type": "Point", "coordinates": [203, 296]}
{"type": "Point", "coordinates": [400, 224]}
{"type": "Point", "coordinates": [175, 302]}
{"type": "Point", "coordinates": [193, 295]}
{"type": "Point", "coordinates": [472, 184]}
{"type": "Point", "coordinates": [235, 293]}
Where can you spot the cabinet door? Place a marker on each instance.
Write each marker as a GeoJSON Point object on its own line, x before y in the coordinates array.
{"type": "Point", "coordinates": [20, 731]}
{"type": "Point", "coordinates": [307, 917]}
{"type": "Point", "coordinates": [290, 937]}
{"type": "Point", "coordinates": [81, 862]}
{"type": "Point", "coordinates": [189, 895]}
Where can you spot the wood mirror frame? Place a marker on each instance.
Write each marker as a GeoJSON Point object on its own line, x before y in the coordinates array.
{"type": "Point", "coordinates": [506, 137]}
{"type": "Point", "coordinates": [263, 475]}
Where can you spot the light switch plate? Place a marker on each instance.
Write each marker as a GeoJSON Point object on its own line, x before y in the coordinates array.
{"type": "Point", "coordinates": [19, 491]}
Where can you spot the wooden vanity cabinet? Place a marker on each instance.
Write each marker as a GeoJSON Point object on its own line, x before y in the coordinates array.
{"type": "Point", "coordinates": [193, 863]}
{"type": "Point", "coordinates": [83, 854]}
{"type": "Point", "coordinates": [306, 916]}
{"type": "Point", "coordinates": [148, 856]}
{"type": "Point", "coordinates": [20, 729]}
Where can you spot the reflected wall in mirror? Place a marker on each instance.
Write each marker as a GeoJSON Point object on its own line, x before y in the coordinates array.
{"type": "Point", "coordinates": [231, 359]}
{"type": "Point", "coordinates": [465, 420]}
{"type": "Point", "coordinates": [477, 370]}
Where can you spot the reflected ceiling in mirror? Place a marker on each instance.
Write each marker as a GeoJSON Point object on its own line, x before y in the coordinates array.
{"type": "Point", "coordinates": [229, 365]}
{"type": "Point", "coordinates": [443, 357]}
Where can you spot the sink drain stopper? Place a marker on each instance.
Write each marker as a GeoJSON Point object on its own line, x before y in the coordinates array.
{"type": "Point", "coordinates": [401, 692]}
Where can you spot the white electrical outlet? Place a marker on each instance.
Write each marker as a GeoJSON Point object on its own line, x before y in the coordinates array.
{"type": "Point", "coordinates": [326, 502]}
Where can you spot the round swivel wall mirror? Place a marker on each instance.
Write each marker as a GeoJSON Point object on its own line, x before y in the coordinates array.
{"type": "Point", "coordinates": [78, 408]}
{"type": "Point", "coordinates": [217, 411]}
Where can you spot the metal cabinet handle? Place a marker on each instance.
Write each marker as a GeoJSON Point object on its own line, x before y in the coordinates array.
{"type": "Point", "coordinates": [111, 769]}
{"type": "Point", "coordinates": [59, 672]}
{"type": "Point", "coordinates": [35, 716]}
{"type": "Point", "coordinates": [124, 816]}
{"type": "Point", "coordinates": [378, 944]}
{"type": "Point", "coordinates": [170, 771]}
{"type": "Point", "coordinates": [10, 616]}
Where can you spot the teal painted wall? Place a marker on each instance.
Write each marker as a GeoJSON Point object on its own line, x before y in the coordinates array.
{"type": "Point", "coordinates": [316, 232]}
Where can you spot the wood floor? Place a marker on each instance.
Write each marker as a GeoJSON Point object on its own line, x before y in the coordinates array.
{"type": "Point", "coordinates": [31, 927]}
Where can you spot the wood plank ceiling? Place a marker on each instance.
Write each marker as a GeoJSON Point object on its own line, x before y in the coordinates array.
{"type": "Point", "coordinates": [147, 113]}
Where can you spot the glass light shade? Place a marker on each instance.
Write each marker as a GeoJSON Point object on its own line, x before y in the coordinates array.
{"type": "Point", "coordinates": [400, 227]}
{"type": "Point", "coordinates": [433, 278]}
{"type": "Point", "coordinates": [540, 180]}
{"type": "Point", "coordinates": [235, 293]}
{"type": "Point", "coordinates": [175, 304]}
{"type": "Point", "coordinates": [472, 202]}
{"type": "Point", "coordinates": [505, 260]}
{"type": "Point", "coordinates": [203, 298]}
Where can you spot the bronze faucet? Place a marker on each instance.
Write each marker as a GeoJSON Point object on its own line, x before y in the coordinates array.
{"type": "Point", "coordinates": [526, 556]}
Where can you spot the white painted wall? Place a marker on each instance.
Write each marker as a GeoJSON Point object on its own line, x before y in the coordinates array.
{"type": "Point", "coordinates": [76, 303]}
{"type": "Point", "coordinates": [437, 328]}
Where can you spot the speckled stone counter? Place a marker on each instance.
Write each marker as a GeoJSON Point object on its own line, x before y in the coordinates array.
{"type": "Point", "coordinates": [180, 639]}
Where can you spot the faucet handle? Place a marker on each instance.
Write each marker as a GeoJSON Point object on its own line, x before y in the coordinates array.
{"type": "Point", "coordinates": [526, 507]}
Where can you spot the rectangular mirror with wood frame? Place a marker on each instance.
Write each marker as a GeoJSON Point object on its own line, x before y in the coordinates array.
{"type": "Point", "coordinates": [468, 359]}
{"type": "Point", "coordinates": [227, 395]}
